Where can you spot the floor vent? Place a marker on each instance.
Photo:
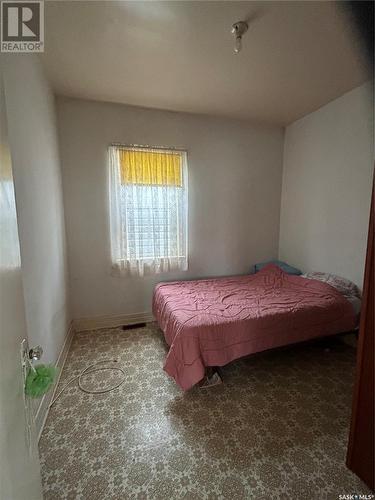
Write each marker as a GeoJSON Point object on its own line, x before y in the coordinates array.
{"type": "Point", "coordinates": [134, 325]}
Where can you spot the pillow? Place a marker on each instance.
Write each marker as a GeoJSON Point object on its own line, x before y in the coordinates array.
{"type": "Point", "coordinates": [283, 265]}
{"type": "Point", "coordinates": [343, 285]}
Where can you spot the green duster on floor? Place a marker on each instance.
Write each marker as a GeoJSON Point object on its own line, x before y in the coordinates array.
{"type": "Point", "coordinates": [39, 379]}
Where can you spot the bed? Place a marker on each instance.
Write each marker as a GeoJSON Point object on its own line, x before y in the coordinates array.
{"type": "Point", "coordinates": [212, 322]}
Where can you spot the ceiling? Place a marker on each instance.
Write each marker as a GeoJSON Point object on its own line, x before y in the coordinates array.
{"type": "Point", "coordinates": [296, 56]}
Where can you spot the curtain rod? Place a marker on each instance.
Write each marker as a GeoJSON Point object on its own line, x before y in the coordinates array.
{"type": "Point", "coordinates": [148, 146]}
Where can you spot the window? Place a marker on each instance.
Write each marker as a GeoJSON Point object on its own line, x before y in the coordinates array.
{"type": "Point", "coordinates": [148, 210]}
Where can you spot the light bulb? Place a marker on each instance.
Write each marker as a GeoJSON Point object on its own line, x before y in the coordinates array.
{"type": "Point", "coordinates": [238, 44]}
{"type": "Point", "coordinates": [238, 29]}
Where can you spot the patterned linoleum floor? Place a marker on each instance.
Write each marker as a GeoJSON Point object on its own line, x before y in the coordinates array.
{"type": "Point", "coordinates": [277, 427]}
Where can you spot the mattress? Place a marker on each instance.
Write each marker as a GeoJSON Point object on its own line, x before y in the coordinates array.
{"type": "Point", "coordinates": [214, 321]}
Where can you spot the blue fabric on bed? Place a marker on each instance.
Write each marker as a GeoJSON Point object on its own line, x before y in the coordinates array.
{"type": "Point", "coordinates": [283, 265]}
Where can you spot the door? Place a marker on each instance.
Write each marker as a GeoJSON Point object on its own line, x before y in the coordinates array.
{"type": "Point", "coordinates": [360, 457]}
{"type": "Point", "coordinates": [19, 462]}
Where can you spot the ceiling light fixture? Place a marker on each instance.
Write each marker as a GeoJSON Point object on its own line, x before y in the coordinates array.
{"type": "Point", "coordinates": [238, 29]}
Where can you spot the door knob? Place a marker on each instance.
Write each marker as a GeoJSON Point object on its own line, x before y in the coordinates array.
{"type": "Point", "coordinates": [35, 353]}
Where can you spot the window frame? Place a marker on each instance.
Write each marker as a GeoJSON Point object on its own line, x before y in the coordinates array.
{"type": "Point", "coordinates": [124, 260]}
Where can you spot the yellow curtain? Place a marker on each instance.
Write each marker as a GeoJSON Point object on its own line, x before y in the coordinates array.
{"type": "Point", "coordinates": [150, 167]}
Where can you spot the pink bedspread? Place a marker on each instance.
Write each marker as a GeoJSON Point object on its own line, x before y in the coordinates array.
{"type": "Point", "coordinates": [212, 322]}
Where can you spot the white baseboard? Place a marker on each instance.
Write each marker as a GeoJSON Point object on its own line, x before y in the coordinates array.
{"type": "Point", "coordinates": [42, 412]}
{"type": "Point", "coordinates": [111, 321]}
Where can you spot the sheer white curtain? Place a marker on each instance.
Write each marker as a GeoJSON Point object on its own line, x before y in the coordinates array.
{"type": "Point", "coordinates": [148, 223]}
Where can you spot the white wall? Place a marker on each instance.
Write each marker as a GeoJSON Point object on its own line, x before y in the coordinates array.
{"type": "Point", "coordinates": [235, 173]}
{"type": "Point", "coordinates": [37, 177]}
{"type": "Point", "coordinates": [327, 176]}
